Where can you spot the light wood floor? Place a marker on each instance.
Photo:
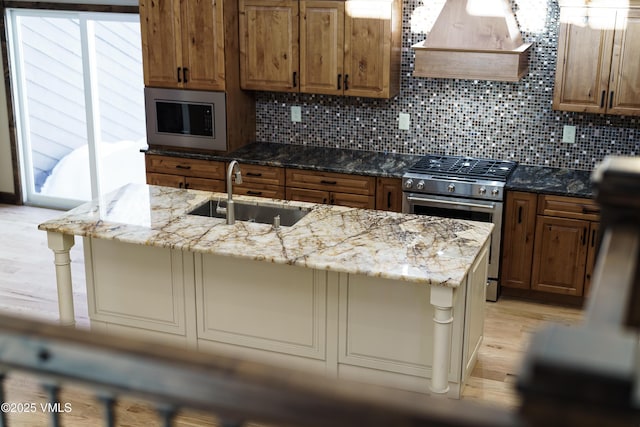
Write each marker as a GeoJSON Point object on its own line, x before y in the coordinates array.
{"type": "Point", "coordinates": [27, 287]}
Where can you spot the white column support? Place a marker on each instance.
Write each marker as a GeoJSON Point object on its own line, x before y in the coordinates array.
{"type": "Point", "coordinates": [60, 244]}
{"type": "Point", "coordinates": [442, 300]}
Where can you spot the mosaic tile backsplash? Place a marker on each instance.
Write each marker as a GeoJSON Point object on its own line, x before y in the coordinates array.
{"type": "Point", "coordinates": [502, 120]}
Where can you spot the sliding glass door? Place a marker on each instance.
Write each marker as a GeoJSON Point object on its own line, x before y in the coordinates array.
{"type": "Point", "coordinates": [78, 92]}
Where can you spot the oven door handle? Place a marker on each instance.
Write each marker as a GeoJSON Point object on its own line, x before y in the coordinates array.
{"type": "Point", "coordinates": [434, 202]}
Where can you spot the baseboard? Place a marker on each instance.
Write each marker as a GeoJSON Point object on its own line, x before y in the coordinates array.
{"type": "Point", "coordinates": [543, 297]}
{"type": "Point", "coordinates": [9, 198]}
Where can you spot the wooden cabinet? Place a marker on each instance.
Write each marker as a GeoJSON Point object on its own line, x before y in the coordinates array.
{"type": "Point", "coordinates": [183, 44]}
{"type": "Point", "coordinates": [560, 258]}
{"type": "Point", "coordinates": [597, 70]}
{"type": "Point", "coordinates": [331, 188]}
{"type": "Point", "coordinates": [185, 173]}
{"type": "Point", "coordinates": [261, 181]}
{"type": "Point", "coordinates": [345, 47]}
{"type": "Point", "coordinates": [389, 194]}
{"type": "Point", "coordinates": [269, 45]}
{"type": "Point", "coordinates": [518, 238]}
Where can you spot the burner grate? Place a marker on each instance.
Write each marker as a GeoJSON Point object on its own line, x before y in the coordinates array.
{"type": "Point", "coordinates": [455, 166]}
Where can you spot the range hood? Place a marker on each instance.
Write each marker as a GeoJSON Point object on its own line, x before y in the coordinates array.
{"type": "Point", "coordinates": [473, 39]}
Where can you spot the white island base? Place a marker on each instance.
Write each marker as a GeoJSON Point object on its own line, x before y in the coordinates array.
{"type": "Point", "coordinates": [401, 334]}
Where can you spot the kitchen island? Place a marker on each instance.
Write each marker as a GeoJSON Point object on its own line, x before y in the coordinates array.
{"type": "Point", "coordinates": [374, 296]}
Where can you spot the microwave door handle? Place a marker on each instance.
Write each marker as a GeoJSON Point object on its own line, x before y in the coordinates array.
{"type": "Point", "coordinates": [435, 202]}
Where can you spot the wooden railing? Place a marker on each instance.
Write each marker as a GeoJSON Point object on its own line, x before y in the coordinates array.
{"type": "Point", "coordinates": [572, 376]}
{"type": "Point", "coordinates": [236, 391]}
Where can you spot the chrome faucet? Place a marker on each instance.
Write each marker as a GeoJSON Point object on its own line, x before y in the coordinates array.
{"type": "Point", "coordinates": [230, 211]}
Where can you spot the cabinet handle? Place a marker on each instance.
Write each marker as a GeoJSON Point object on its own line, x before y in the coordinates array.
{"type": "Point", "coordinates": [254, 193]}
{"type": "Point", "coordinates": [254, 174]}
{"type": "Point", "coordinates": [332, 201]}
{"type": "Point", "coordinates": [339, 81]}
{"type": "Point", "coordinates": [295, 75]}
{"type": "Point", "coordinates": [604, 92]}
{"type": "Point", "coordinates": [593, 238]}
{"type": "Point", "coordinates": [388, 199]}
{"type": "Point", "coordinates": [324, 201]}
{"type": "Point", "coordinates": [584, 236]}
{"type": "Point", "coordinates": [328, 182]}
{"type": "Point", "coordinates": [588, 210]}
{"type": "Point", "coordinates": [181, 185]}
{"type": "Point", "coordinates": [186, 185]}
{"type": "Point", "coordinates": [184, 74]}
{"type": "Point", "coordinates": [179, 79]}
{"type": "Point", "coordinates": [185, 167]}
{"type": "Point", "coordinates": [346, 82]}
{"type": "Point", "coordinates": [519, 214]}
{"type": "Point", "coordinates": [611, 99]}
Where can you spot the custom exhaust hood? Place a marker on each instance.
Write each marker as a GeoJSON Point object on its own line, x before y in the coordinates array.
{"type": "Point", "coordinates": [473, 39]}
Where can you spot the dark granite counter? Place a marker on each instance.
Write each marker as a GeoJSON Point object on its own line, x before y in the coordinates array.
{"type": "Point", "coordinates": [546, 180]}
{"type": "Point", "coordinates": [313, 158]}
{"type": "Point", "coordinates": [535, 179]}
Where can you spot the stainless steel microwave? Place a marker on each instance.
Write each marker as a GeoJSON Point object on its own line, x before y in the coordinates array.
{"type": "Point", "coordinates": [186, 118]}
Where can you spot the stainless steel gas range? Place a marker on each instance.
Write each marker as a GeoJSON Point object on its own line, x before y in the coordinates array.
{"type": "Point", "coordinates": [462, 188]}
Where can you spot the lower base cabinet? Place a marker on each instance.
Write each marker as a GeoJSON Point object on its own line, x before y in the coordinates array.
{"type": "Point", "coordinates": [351, 326]}
{"type": "Point", "coordinates": [550, 244]}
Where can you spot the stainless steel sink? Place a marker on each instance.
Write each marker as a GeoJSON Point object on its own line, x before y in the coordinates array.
{"type": "Point", "coordinates": [252, 212]}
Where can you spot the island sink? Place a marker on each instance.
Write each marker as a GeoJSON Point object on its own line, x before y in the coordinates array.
{"type": "Point", "coordinates": [252, 212]}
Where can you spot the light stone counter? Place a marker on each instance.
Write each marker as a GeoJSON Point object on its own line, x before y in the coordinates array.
{"type": "Point", "coordinates": [430, 250]}
{"type": "Point", "coordinates": [141, 243]}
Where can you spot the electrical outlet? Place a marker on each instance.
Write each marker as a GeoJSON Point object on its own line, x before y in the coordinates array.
{"type": "Point", "coordinates": [296, 114]}
{"type": "Point", "coordinates": [569, 134]}
{"type": "Point", "coordinates": [404, 121]}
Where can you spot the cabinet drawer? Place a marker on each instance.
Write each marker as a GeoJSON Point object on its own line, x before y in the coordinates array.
{"type": "Point", "coordinates": [327, 181]}
{"type": "Point", "coordinates": [259, 190]}
{"type": "Point", "coordinates": [568, 207]}
{"type": "Point", "coordinates": [165, 180]}
{"type": "Point", "coordinates": [310, 196]}
{"type": "Point", "coordinates": [271, 175]}
{"type": "Point", "coordinates": [204, 184]}
{"type": "Point", "coordinates": [185, 167]}
{"type": "Point", "coordinates": [353, 200]}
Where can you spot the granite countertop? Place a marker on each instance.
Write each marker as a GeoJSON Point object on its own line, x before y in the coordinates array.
{"type": "Point", "coordinates": [547, 180]}
{"type": "Point", "coordinates": [313, 158]}
{"type": "Point", "coordinates": [413, 248]}
{"type": "Point", "coordinates": [537, 179]}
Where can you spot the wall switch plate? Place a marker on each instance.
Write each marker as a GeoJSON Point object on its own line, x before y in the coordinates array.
{"type": "Point", "coordinates": [569, 134]}
{"type": "Point", "coordinates": [404, 121]}
{"type": "Point", "coordinates": [296, 114]}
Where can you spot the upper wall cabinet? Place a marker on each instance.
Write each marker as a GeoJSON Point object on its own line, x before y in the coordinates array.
{"type": "Point", "coordinates": [598, 69]}
{"type": "Point", "coordinates": [327, 47]}
{"type": "Point", "coordinates": [183, 44]}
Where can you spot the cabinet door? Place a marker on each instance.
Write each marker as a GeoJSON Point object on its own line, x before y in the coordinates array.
{"type": "Point", "coordinates": [584, 59]}
{"type": "Point", "coordinates": [161, 42]}
{"type": "Point", "coordinates": [321, 46]}
{"type": "Point", "coordinates": [389, 194]}
{"type": "Point", "coordinates": [560, 255]}
{"type": "Point", "coordinates": [269, 45]}
{"type": "Point", "coordinates": [624, 90]}
{"type": "Point", "coordinates": [203, 44]}
{"type": "Point", "coordinates": [367, 38]}
{"type": "Point", "coordinates": [305, 195]}
{"type": "Point", "coordinates": [518, 239]}
{"type": "Point", "coordinates": [165, 180]}
{"type": "Point", "coordinates": [592, 254]}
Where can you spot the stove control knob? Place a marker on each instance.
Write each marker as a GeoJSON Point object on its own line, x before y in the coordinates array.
{"type": "Point", "coordinates": [482, 191]}
{"type": "Point", "coordinates": [408, 183]}
{"type": "Point", "coordinates": [495, 192]}
{"type": "Point", "coordinates": [451, 188]}
{"type": "Point", "coordinates": [420, 185]}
